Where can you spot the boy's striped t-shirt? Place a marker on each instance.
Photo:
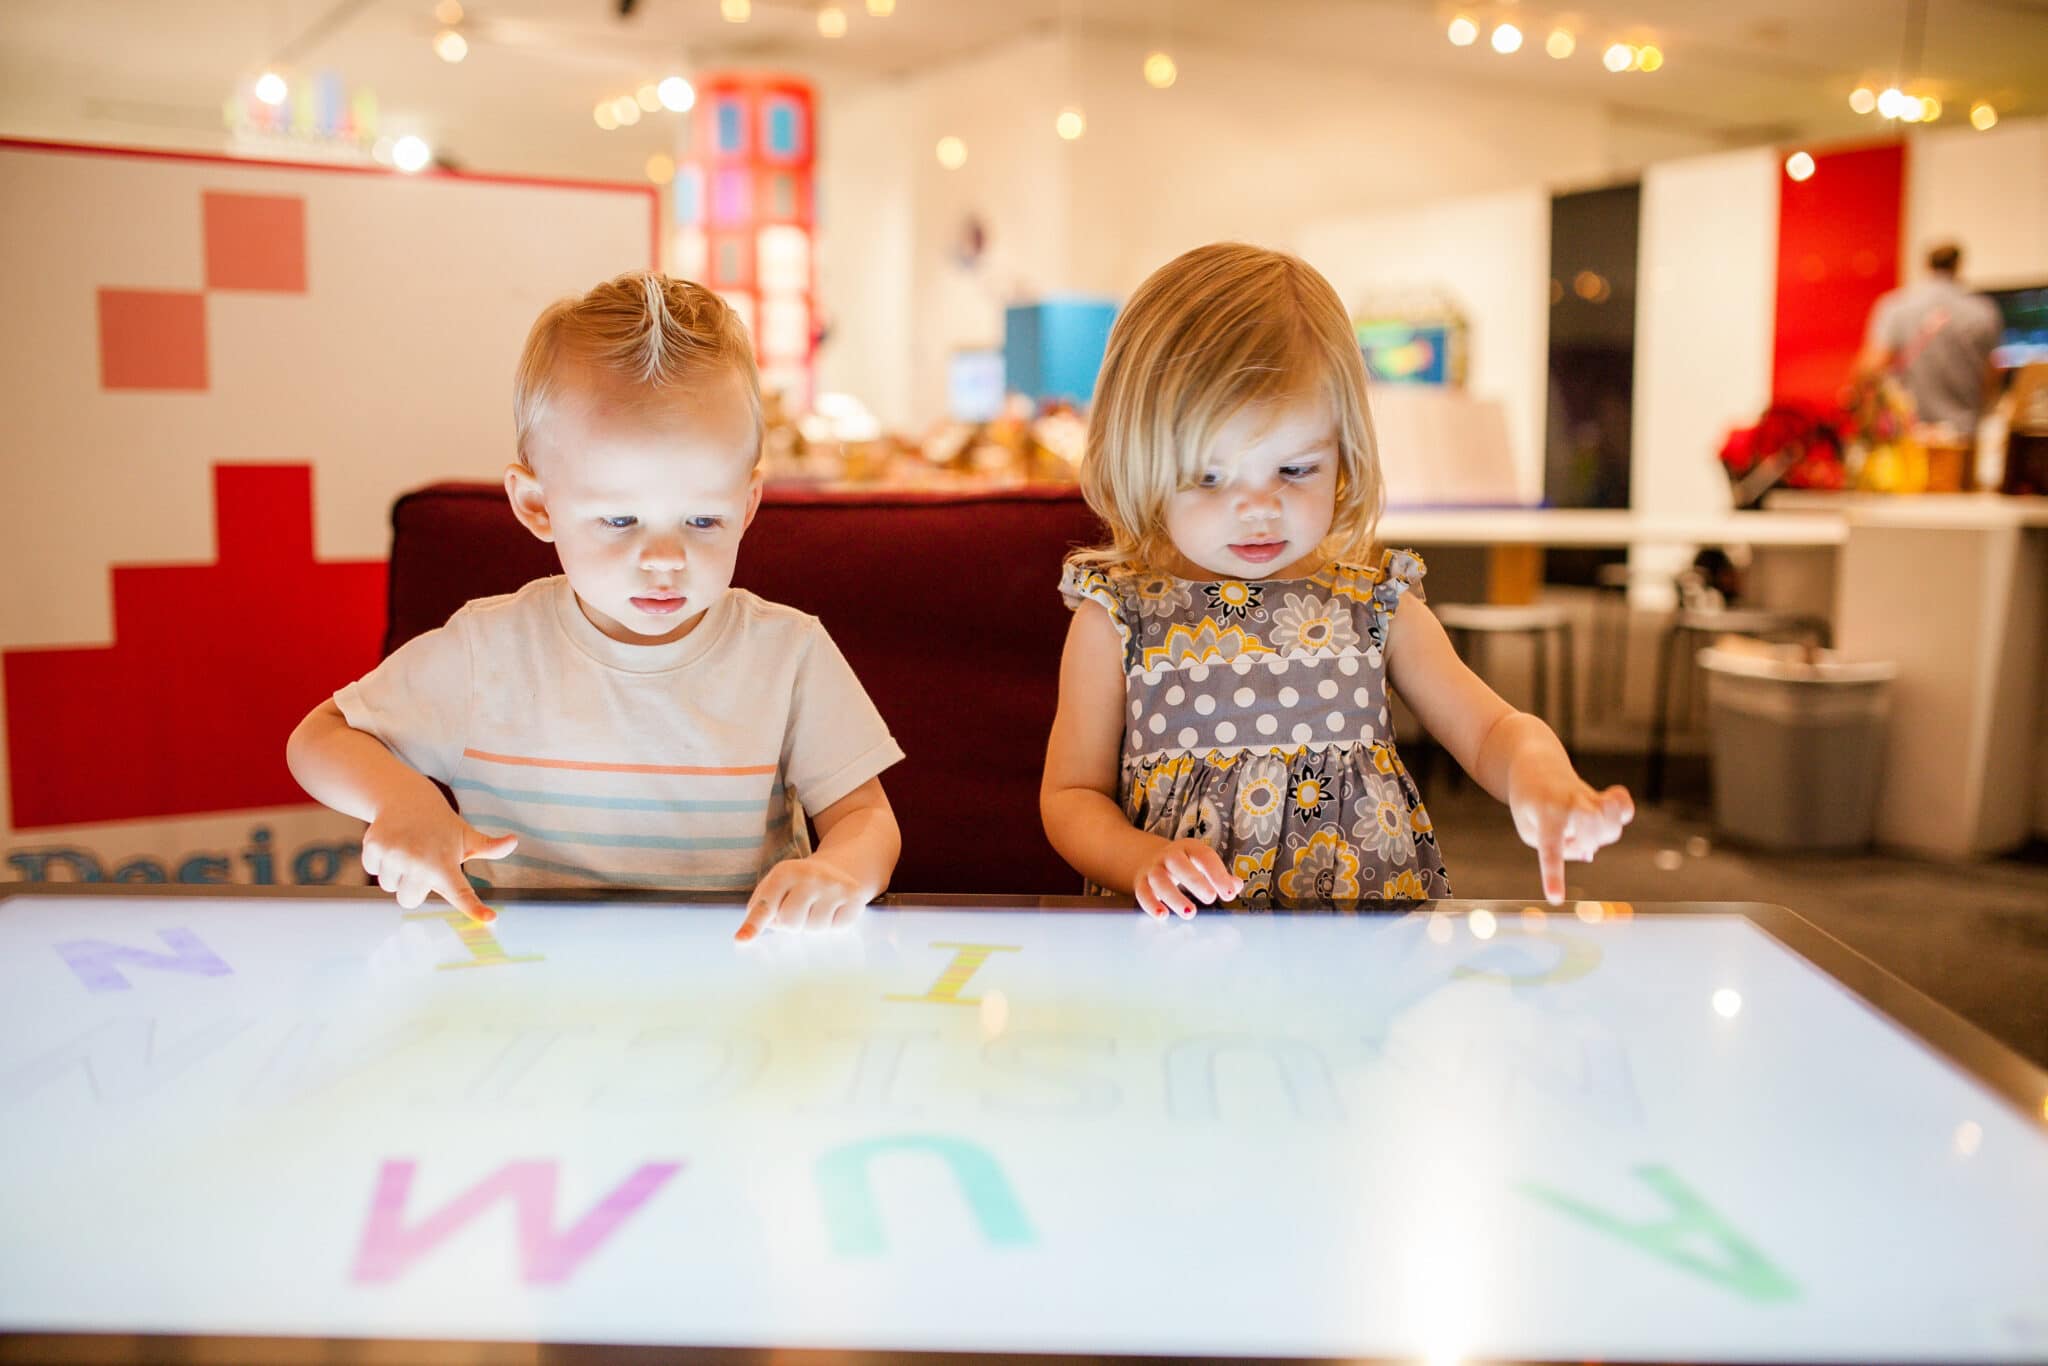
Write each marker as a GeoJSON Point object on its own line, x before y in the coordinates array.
{"type": "Point", "coordinates": [685, 766]}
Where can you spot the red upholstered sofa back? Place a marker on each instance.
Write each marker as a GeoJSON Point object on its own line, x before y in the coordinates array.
{"type": "Point", "coordinates": [947, 606]}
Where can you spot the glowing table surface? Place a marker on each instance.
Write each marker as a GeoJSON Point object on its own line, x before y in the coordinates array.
{"type": "Point", "coordinates": [1689, 1131]}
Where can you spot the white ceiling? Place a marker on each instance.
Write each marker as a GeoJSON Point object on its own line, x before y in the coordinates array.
{"type": "Point", "coordinates": [1736, 70]}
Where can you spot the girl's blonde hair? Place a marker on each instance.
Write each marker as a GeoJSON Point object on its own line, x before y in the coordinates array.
{"type": "Point", "coordinates": [641, 327]}
{"type": "Point", "coordinates": [1211, 331]}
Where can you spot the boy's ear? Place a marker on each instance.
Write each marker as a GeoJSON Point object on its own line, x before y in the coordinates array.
{"type": "Point", "coordinates": [523, 491]}
{"type": "Point", "coordinates": [753, 498]}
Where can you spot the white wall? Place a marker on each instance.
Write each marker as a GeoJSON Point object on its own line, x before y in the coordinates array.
{"type": "Point", "coordinates": [1238, 148]}
{"type": "Point", "coordinates": [1492, 254]}
{"type": "Point", "coordinates": [1705, 309]}
{"type": "Point", "coordinates": [1986, 191]}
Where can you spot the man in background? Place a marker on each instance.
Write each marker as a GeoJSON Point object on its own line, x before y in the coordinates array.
{"type": "Point", "coordinates": [1937, 337]}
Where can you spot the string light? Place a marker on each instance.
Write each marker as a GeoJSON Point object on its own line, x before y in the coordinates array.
{"type": "Point", "coordinates": [1160, 71]}
{"type": "Point", "coordinates": [1910, 109]}
{"type": "Point", "coordinates": [1983, 117]}
{"type": "Point", "coordinates": [1506, 39]}
{"type": "Point", "coordinates": [1463, 32]}
{"type": "Point", "coordinates": [1892, 103]}
{"type": "Point", "coordinates": [1863, 99]}
{"type": "Point", "coordinates": [1560, 44]}
{"type": "Point", "coordinates": [1619, 57]}
{"type": "Point", "coordinates": [450, 46]}
{"type": "Point", "coordinates": [661, 168]}
{"type": "Point", "coordinates": [676, 93]}
{"type": "Point", "coordinates": [736, 11]}
{"type": "Point", "coordinates": [832, 22]}
{"type": "Point", "coordinates": [1649, 57]}
{"type": "Point", "coordinates": [1799, 166]}
{"type": "Point", "coordinates": [626, 110]}
{"type": "Point", "coordinates": [647, 97]}
{"type": "Point", "coordinates": [606, 119]}
{"type": "Point", "coordinates": [1930, 109]}
{"type": "Point", "coordinates": [411, 154]}
{"type": "Point", "coordinates": [952, 153]}
{"type": "Point", "coordinates": [1071, 123]}
{"type": "Point", "coordinates": [270, 88]}
{"type": "Point", "coordinates": [881, 9]}
{"type": "Point", "coordinates": [448, 13]}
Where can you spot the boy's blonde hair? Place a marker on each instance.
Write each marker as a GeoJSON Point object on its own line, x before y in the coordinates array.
{"type": "Point", "coordinates": [1209, 332]}
{"type": "Point", "coordinates": [640, 327]}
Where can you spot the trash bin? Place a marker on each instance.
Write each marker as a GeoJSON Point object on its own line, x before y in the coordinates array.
{"type": "Point", "coordinates": [1798, 747]}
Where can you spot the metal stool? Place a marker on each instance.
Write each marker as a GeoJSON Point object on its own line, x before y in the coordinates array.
{"type": "Point", "coordinates": [1467, 623]}
{"type": "Point", "coordinates": [1689, 627]}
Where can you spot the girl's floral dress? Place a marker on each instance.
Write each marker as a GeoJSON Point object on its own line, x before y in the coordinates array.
{"type": "Point", "coordinates": [1256, 721]}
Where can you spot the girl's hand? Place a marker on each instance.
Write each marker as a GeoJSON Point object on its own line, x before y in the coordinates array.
{"type": "Point", "coordinates": [810, 893]}
{"type": "Point", "coordinates": [1189, 864]}
{"type": "Point", "coordinates": [1561, 817]}
{"type": "Point", "coordinates": [413, 848]}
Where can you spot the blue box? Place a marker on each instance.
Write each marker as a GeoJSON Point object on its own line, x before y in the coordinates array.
{"type": "Point", "coordinates": [1053, 349]}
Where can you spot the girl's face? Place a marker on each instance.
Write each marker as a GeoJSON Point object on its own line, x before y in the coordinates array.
{"type": "Point", "coordinates": [1266, 501]}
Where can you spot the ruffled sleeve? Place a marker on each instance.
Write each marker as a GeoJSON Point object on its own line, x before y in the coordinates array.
{"type": "Point", "coordinates": [1399, 572]}
{"type": "Point", "coordinates": [1081, 583]}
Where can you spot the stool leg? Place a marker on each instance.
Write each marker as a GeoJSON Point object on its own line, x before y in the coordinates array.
{"type": "Point", "coordinates": [1653, 789]}
{"type": "Point", "coordinates": [1539, 668]}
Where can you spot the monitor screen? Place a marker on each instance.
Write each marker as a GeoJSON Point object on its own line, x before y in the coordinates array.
{"type": "Point", "coordinates": [974, 385]}
{"type": "Point", "coordinates": [1444, 1134]}
{"type": "Point", "coordinates": [2025, 340]}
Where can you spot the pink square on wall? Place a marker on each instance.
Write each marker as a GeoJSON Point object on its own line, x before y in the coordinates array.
{"type": "Point", "coordinates": [152, 339]}
{"type": "Point", "coordinates": [255, 242]}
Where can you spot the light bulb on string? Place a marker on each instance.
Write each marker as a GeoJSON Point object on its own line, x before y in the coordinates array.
{"type": "Point", "coordinates": [1506, 39]}
{"type": "Point", "coordinates": [1071, 123]}
{"type": "Point", "coordinates": [1463, 32]}
{"type": "Point", "coordinates": [450, 46]}
{"type": "Point", "coordinates": [1983, 117]}
{"type": "Point", "coordinates": [1160, 71]}
{"type": "Point", "coordinates": [271, 89]}
{"type": "Point", "coordinates": [1619, 57]}
{"type": "Point", "coordinates": [832, 22]}
{"type": "Point", "coordinates": [1863, 99]}
{"type": "Point", "coordinates": [676, 93]}
{"type": "Point", "coordinates": [1560, 44]}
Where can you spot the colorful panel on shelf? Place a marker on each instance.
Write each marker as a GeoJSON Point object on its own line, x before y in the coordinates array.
{"type": "Point", "coordinates": [732, 197]}
{"type": "Point", "coordinates": [732, 261]}
{"type": "Point", "coordinates": [729, 125]}
{"type": "Point", "coordinates": [785, 334]}
{"type": "Point", "coordinates": [783, 262]}
{"type": "Point", "coordinates": [689, 195]}
{"type": "Point", "coordinates": [784, 131]}
{"type": "Point", "coordinates": [691, 253]}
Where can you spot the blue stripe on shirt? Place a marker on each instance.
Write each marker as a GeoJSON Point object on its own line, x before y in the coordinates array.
{"type": "Point", "coordinates": [678, 882]}
{"type": "Point", "coordinates": [517, 794]}
{"type": "Point", "coordinates": [609, 841]}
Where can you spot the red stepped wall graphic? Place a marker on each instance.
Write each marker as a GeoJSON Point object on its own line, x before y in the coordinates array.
{"type": "Point", "coordinates": [211, 666]}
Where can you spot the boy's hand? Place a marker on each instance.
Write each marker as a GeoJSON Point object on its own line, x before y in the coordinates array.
{"type": "Point", "coordinates": [810, 893]}
{"type": "Point", "coordinates": [1189, 864]}
{"type": "Point", "coordinates": [1561, 817]}
{"type": "Point", "coordinates": [413, 849]}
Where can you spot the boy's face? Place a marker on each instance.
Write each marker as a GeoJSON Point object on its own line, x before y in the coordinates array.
{"type": "Point", "coordinates": [644, 496]}
{"type": "Point", "coordinates": [1265, 506]}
